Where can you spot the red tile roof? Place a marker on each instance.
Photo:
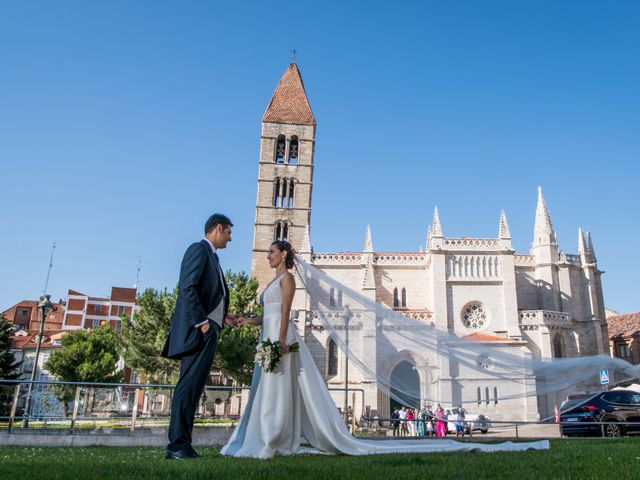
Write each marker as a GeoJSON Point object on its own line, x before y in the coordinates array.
{"type": "Point", "coordinates": [19, 342]}
{"type": "Point", "coordinates": [480, 337]}
{"type": "Point", "coordinates": [289, 103]}
{"type": "Point", "coordinates": [624, 326]}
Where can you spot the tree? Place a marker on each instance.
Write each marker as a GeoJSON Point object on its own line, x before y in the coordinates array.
{"type": "Point", "coordinates": [237, 346]}
{"type": "Point", "coordinates": [85, 356]}
{"type": "Point", "coordinates": [144, 336]}
{"type": "Point", "coordinates": [8, 363]}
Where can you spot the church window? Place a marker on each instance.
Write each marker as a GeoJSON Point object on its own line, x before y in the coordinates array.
{"type": "Point", "coordinates": [290, 198]}
{"type": "Point", "coordinates": [283, 193]}
{"type": "Point", "coordinates": [332, 298]}
{"type": "Point", "coordinates": [280, 149]}
{"type": "Point", "coordinates": [339, 298]}
{"type": "Point", "coordinates": [281, 231]}
{"type": "Point", "coordinates": [558, 347]}
{"type": "Point", "coordinates": [479, 396]}
{"type": "Point", "coordinates": [495, 395]}
{"type": "Point", "coordinates": [486, 396]}
{"type": "Point", "coordinates": [276, 192]}
{"type": "Point", "coordinates": [293, 150]}
{"type": "Point", "coordinates": [332, 358]}
{"type": "Point", "coordinates": [475, 316]}
{"type": "Point", "coordinates": [404, 297]}
{"type": "Point", "coordinates": [396, 301]}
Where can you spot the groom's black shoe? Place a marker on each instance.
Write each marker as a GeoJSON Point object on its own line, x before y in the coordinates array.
{"type": "Point", "coordinates": [181, 454]}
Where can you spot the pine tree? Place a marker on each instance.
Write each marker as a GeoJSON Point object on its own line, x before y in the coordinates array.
{"type": "Point", "coordinates": [144, 336]}
{"type": "Point", "coordinates": [8, 363]}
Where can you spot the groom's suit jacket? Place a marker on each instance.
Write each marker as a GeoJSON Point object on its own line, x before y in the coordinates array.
{"type": "Point", "coordinates": [200, 291]}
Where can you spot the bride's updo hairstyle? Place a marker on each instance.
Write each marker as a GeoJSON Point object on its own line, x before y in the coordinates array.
{"type": "Point", "coordinates": [285, 246]}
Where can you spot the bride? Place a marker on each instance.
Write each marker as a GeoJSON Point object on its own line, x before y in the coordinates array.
{"type": "Point", "coordinates": [292, 402]}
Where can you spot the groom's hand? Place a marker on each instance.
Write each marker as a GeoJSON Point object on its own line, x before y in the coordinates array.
{"type": "Point", "coordinates": [231, 320]}
{"type": "Point", "coordinates": [204, 328]}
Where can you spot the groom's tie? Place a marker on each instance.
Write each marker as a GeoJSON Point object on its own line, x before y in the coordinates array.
{"type": "Point", "coordinates": [224, 288]}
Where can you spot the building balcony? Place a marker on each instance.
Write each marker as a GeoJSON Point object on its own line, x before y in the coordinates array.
{"type": "Point", "coordinates": [547, 318]}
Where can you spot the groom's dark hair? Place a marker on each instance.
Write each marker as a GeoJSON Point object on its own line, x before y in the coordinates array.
{"type": "Point", "coordinates": [217, 219]}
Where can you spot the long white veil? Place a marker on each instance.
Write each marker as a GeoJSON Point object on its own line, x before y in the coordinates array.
{"type": "Point", "coordinates": [362, 329]}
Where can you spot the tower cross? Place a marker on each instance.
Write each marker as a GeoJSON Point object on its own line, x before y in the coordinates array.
{"type": "Point", "coordinates": [294, 53]}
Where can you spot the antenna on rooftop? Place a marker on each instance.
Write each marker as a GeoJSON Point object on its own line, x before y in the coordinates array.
{"type": "Point", "coordinates": [46, 283]}
{"type": "Point", "coordinates": [135, 285]}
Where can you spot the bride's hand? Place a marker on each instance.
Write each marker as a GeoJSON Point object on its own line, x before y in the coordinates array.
{"type": "Point", "coordinates": [284, 348]}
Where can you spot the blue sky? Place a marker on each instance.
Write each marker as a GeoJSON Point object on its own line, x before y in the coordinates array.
{"type": "Point", "coordinates": [125, 124]}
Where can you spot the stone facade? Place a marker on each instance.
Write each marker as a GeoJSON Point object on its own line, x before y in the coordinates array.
{"type": "Point", "coordinates": [543, 304]}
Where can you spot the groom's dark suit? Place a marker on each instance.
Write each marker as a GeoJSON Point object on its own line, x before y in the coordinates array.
{"type": "Point", "coordinates": [201, 289]}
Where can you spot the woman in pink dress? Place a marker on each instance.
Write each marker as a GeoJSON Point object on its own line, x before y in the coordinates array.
{"type": "Point", "coordinates": [441, 423]}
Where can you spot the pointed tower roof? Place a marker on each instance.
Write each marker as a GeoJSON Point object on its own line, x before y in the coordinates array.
{"type": "Point", "coordinates": [368, 242]}
{"type": "Point", "coordinates": [582, 243]}
{"type": "Point", "coordinates": [369, 282]}
{"type": "Point", "coordinates": [289, 102]}
{"type": "Point", "coordinates": [590, 245]}
{"type": "Point", "coordinates": [543, 232]}
{"type": "Point", "coordinates": [305, 243]}
{"type": "Point", "coordinates": [428, 245]}
{"type": "Point", "coordinates": [436, 229]}
{"type": "Point", "coordinates": [504, 233]}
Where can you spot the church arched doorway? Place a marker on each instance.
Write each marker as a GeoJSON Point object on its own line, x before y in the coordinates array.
{"type": "Point", "coordinates": [405, 386]}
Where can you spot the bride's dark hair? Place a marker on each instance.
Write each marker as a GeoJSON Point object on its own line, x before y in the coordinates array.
{"type": "Point", "coordinates": [285, 246]}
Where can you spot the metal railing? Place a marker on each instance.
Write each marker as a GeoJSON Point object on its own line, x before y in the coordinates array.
{"type": "Point", "coordinates": [117, 405]}
{"type": "Point", "coordinates": [77, 405]}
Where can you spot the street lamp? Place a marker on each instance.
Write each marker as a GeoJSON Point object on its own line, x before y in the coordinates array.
{"type": "Point", "coordinates": [45, 307]}
{"type": "Point", "coordinates": [347, 316]}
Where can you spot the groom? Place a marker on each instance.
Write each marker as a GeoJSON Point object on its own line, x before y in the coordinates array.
{"type": "Point", "coordinates": [200, 313]}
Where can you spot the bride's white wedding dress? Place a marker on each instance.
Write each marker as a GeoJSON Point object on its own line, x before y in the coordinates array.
{"type": "Point", "coordinates": [292, 405]}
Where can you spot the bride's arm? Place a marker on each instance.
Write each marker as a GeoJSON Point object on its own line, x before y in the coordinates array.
{"type": "Point", "coordinates": [252, 321]}
{"type": "Point", "coordinates": [288, 288]}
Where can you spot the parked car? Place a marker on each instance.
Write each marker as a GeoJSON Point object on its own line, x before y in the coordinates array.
{"type": "Point", "coordinates": [581, 414]}
{"type": "Point", "coordinates": [471, 421]}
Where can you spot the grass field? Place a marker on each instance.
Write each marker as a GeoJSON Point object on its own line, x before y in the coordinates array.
{"type": "Point", "coordinates": [574, 458]}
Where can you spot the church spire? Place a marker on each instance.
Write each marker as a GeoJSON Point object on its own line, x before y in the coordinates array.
{"type": "Point", "coordinates": [436, 228]}
{"type": "Point", "coordinates": [543, 232]}
{"type": "Point", "coordinates": [428, 244]}
{"type": "Point", "coordinates": [590, 246]}
{"type": "Point", "coordinates": [582, 243]}
{"type": "Point", "coordinates": [368, 242]}
{"type": "Point", "coordinates": [289, 103]}
{"type": "Point", "coordinates": [369, 282]}
{"type": "Point", "coordinates": [504, 233]}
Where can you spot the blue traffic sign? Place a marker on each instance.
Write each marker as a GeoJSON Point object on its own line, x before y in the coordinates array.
{"type": "Point", "coordinates": [604, 376]}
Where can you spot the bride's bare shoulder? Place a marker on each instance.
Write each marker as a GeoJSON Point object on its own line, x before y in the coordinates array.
{"type": "Point", "coordinates": [288, 279]}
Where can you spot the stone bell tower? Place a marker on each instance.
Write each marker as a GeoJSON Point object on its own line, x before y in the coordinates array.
{"type": "Point", "coordinates": [285, 173]}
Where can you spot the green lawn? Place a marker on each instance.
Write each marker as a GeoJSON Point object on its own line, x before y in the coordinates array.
{"type": "Point", "coordinates": [573, 458]}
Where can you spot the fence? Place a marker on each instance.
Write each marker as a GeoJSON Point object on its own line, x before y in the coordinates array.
{"type": "Point", "coordinates": [75, 405]}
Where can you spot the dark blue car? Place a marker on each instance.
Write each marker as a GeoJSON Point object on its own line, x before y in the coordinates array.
{"type": "Point", "coordinates": [610, 414]}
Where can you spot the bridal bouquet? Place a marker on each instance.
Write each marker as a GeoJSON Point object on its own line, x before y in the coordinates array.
{"type": "Point", "coordinates": [268, 354]}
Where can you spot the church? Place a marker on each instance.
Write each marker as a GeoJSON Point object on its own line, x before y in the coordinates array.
{"type": "Point", "coordinates": [545, 303]}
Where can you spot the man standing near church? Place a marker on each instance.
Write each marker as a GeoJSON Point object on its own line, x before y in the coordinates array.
{"type": "Point", "coordinates": [200, 314]}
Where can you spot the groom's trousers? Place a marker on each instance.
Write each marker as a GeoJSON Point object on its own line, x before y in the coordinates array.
{"type": "Point", "coordinates": [194, 370]}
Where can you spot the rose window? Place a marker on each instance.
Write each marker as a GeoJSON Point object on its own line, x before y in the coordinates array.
{"type": "Point", "coordinates": [475, 316]}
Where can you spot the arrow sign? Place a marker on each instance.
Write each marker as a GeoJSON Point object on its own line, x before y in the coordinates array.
{"type": "Point", "coordinates": [604, 376]}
